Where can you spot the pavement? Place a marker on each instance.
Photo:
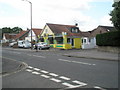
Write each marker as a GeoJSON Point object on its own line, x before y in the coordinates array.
{"type": "Point", "coordinates": [10, 66]}
{"type": "Point", "coordinates": [94, 54]}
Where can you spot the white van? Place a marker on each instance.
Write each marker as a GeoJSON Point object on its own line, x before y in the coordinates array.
{"type": "Point", "coordinates": [24, 44]}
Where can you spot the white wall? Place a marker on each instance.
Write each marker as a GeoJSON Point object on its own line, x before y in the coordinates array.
{"type": "Point", "coordinates": [87, 44]}
{"type": "Point", "coordinates": [29, 36]}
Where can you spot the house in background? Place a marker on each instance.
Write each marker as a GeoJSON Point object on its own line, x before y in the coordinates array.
{"type": "Point", "coordinates": [35, 34]}
{"type": "Point", "coordinates": [62, 36]}
{"type": "Point", "coordinates": [87, 40]}
{"type": "Point", "coordinates": [8, 37]}
{"type": "Point", "coordinates": [99, 30]}
{"type": "Point", "coordinates": [21, 35]}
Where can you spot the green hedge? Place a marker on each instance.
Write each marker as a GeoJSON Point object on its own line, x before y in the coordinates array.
{"type": "Point", "coordinates": [108, 39]}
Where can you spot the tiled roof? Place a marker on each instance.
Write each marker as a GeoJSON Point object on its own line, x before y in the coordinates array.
{"type": "Point", "coordinates": [107, 27]}
{"type": "Point", "coordinates": [101, 29]}
{"type": "Point", "coordinates": [21, 35]}
{"type": "Point", "coordinates": [59, 28]}
{"type": "Point", "coordinates": [37, 31]}
{"type": "Point", "coordinates": [86, 34]}
{"type": "Point", "coordinates": [10, 35]}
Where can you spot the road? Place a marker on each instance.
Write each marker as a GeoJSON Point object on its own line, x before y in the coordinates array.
{"type": "Point", "coordinates": [50, 69]}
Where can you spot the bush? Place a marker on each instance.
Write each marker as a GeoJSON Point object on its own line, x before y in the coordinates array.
{"type": "Point", "coordinates": [108, 39]}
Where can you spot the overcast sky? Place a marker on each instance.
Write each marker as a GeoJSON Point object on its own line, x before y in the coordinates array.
{"type": "Point", "coordinates": [87, 13]}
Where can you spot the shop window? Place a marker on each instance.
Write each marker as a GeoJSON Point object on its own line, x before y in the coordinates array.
{"type": "Point", "coordinates": [51, 40]}
{"type": "Point", "coordinates": [59, 40]}
{"type": "Point", "coordinates": [68, 41]}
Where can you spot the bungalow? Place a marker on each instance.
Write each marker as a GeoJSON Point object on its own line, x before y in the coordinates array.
{"type": "Point", "coordinates": [87, 40]}
{"type": "Point", "coordinates": [35, 34]}
{"type": "Point", "coordinates": [21, 35]}
{"type": "Point", "coordinates": [62, 36]}
{"type": "Point", "coordinates": [8, 37]}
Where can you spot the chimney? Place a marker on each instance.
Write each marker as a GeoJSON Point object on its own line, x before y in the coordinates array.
{"type": "Point", "coordinates": [76, 24]}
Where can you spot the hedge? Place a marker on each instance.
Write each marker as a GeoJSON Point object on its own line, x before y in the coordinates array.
{"type": "Point", "coordinates": [108, 39]}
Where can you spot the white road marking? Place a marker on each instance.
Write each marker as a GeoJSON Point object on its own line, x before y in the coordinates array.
{"type": "Point", "coordinates": [78, 82]}
{"type": "Point", "coordinates": [45, 76]}
{"type": "Point", "coordinates": [37, 69]}
{"type": "Point", "coordinates": [76, 62]}
{"type": "Point", "coordinates": [67, 84]}
{"type": "Point", "coordinates": [39, 56]}
{"type": "Point", "coordinates": [29, 54]}
{"type": "Point", "coordinates": [53, 74]}
{"type": "Point", "coordinates": [17, 52]}
{"type": "Point", "coordinates": [99, 88]}
{"type": "Point", "coordinates": [43, 71]}
{"type": "Point", "coordinates": [64, 60]}
{"type": "Point", "coordinates": [65, 78]}
{"type": "Point", "coordinates": [35, 73]}
{"type": "Point", "coordinates": [30, 67]}
{"type": "Point", "coordinates": [75, 84]}
{"type": "Point", "coordinates": [56, 80]}
{"type": "Point", "coordinates": [29, 70]}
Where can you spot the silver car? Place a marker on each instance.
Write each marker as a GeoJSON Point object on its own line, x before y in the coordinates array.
{"type": "Point", "coordinates": [41, 45]}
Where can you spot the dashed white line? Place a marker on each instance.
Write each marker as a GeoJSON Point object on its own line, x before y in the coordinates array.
{"type": "Point", "coordinates": [43, 71]}
{"type": "Point", "coordinates": [53, 74]}
{"type": "Point", "coordinates": [30, 67]}
{"type": "Point", "coordinates": [39, 56]}
{"type": "Point", "coordinates": [64, 60]}
{"type": "Point", "coordinates": [36, 69]}
{"type": "Point", "coordinates": [65, 78]}
{"type": "Point", "coordinates": [29, 54]}
{"type": "Point", "coordinates": [56, 80]}
{"type": "Point", "coordinates": [76, 62]}
{"type": "Point", "coordinates": [67, 84]}
{"type": "Point", "coordinates": [29, 70]}
{"type": "Point", "coordinates": [78, 82]}
{"type": "Point", "coordinates": [45, 76]}
{"type": "Point", "coordinates": [35, 73]}
{"type": "Point", "coordinates": [16, 52]}
{"type": "Point", "coordinates": [99, 88]}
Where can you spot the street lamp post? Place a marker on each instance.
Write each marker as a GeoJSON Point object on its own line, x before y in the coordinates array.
{"type": "Point", "coordinates": [30, 19]}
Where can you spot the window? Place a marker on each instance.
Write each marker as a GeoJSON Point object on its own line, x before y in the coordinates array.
{"type": "Point", "coordinates": [89, 40]}
{"type": "Point", "coordinates": [84, 41]}
{"type": "Point", "coordinates": [75, 30]}
{"type": "Point", "coordinates": [46, 31]}
{"type": "Point", "coordinates": [68, 40]}
{"type": "Point", "coordinates": [59, 40]}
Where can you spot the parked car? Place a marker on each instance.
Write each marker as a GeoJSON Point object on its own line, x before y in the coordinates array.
{"type": "Point", "coordinates": [11, 44]}
{"type": "Point", "coordinates": [41, 45]}
{"type": "Point", "coordinates": [24, 44]}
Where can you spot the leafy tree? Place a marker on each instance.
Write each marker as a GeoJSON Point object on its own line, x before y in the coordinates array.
{"type": "Point", "coordinates": [11, 30]}
{"type": "Point", "coordinates": [116, 15]}
{"type": "Point", "coordinates": [6, 30]}
{"type": "Point", "coordinates": [16, 30]}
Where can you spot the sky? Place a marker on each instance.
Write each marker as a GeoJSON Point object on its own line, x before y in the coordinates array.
{"type": "Point", "coordinates": [89, 14]}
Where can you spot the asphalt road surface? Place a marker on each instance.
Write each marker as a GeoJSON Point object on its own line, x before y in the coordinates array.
{"type": "Point", "coordinates": [50, 69]}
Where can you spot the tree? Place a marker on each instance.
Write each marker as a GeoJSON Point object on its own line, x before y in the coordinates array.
{"type": "Point", "coordinates": [116, 15]}
{"type": "Point", "coordinates": [16, 30]}
{"type": "Point", "coordinates": [11, 30]}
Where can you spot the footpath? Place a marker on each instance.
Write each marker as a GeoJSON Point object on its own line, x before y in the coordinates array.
{"type": "Point", "coordinates": [94, 54]}
{"type": "Point", "coordinates": [11, 66]}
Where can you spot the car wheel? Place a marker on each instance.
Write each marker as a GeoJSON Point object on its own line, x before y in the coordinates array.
{"type": "Point", "coordinates": [40, 48]}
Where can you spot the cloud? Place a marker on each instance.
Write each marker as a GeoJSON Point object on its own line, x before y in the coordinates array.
{"type": "Point", "coordinates": [49, 11]}
{"type": "Point", "coordinates": [105, 20]}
